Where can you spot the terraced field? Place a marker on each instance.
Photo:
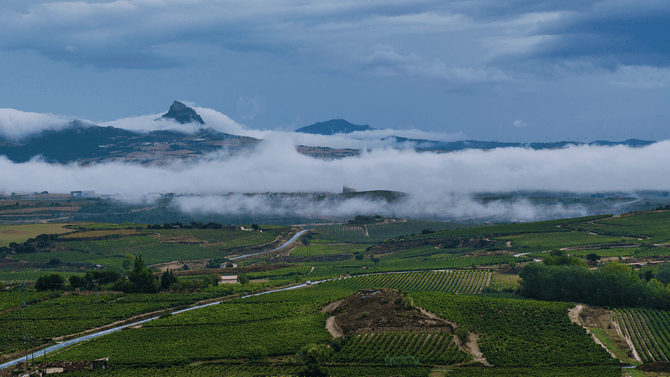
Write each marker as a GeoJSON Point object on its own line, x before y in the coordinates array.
{"type": "Point", "coordinates": [649, 331]}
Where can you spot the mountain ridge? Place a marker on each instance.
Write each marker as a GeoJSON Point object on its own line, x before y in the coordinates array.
{"type": "Point", "coordinates": [332, 127]}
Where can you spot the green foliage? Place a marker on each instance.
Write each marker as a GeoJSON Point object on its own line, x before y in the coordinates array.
{"type": "Point", "coordinates": [563, 260]}
{"type": "Point", "coordinates": [257, 353]}
{"type": "Point", "coordinates": [463, 335]}
{"type": "Point", "coordinates": [613, 285]}
{"type": "Point", "coordinates": [402, 361]}
{"type": "Point", "coordinates": [242, 279]}
{"type": "Point", "coordinates": [283, 323]}
{"type": "Point", "coordinates": [378, 232]}
{"type": "Point", "coordinates": [140, 280]}
{"type": "Point", "coordinates": [166, 314]}
{"type": "Point", "coordinates": [316, 353]}
{"type": "Point", "coordinates": [78, 282]}
{"type": "Point", "coordinates": [428, 348]}
{"type": "Point", "coordinates": [167, 279]}
{"type": "Point", "coordinates": [50, 282]}
{"type": "Point", "coordinates": [443, 281]}
{"type": "Point", "coordinates": [663, 273]}
{"type": "Point", "coordinates": [562, 371]}
{"type": "Point", "coordinates": [518, 332]}
{"type": "Point", "coordinates": [254, 370]}
{"type": "Point", "coordinates": [649, 329]}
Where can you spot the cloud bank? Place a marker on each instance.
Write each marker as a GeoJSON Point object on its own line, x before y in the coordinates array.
{"type": "Point", "coordinates": [275, 166]}
{"type": "Point", "coordinates": [447, 206]}
{"type": "Point", "coordinates": [15, 124]}
{"type": "Point", "coordinates": [438, 185]}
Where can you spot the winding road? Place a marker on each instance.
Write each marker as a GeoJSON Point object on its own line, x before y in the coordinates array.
{"type": "Point", "coordinates": [84, 338]}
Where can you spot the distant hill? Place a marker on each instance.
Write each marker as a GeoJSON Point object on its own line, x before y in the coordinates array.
{"type": "Point", "coordinates": [87, 143]}
{"type": "Point", "coordinates": [332, 127]}
{"type": "Point", "coordinates": [448, 146]}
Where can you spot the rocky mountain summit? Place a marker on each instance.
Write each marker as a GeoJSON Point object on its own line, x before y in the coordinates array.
{"type": "Point", "coordinates": [182, 114]}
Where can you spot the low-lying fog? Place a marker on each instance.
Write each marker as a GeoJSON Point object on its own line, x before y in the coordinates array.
{"type": "Point", "coordinates": [438, 185]}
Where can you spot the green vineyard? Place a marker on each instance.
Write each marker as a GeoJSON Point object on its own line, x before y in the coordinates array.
{"type": "Point", "coordinates": [429, 348]}
{"type": "Point", "coordinates": [470, 281]}
{"type": "Point", "coordinates": [649, 331]}
{"type": "Point", "coordinates": [504, 282]}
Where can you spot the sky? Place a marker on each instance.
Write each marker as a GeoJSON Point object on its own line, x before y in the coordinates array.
{"type": "Point", "coordinates": [478, 69]}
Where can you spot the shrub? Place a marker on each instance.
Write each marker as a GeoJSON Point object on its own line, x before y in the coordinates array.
{"type": "Point", "coordinates": [51, 282]}
{"type": "Point", "coordinates": [462, 334]}
{"type": "Point", "coordinates": [257, 353]}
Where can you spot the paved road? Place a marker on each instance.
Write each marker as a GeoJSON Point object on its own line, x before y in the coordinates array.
{"type": "Point", "coordinates": [70, 342]}
{"type": "Point", "coordinates": [297, 235]}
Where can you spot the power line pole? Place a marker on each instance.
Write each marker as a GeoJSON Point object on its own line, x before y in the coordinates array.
{"type": "Point", "coordinates": [96, 290]}
{"type": "Point", "coordinates": [24, 293]}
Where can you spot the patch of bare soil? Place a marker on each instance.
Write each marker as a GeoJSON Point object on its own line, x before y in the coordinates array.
{"type": "Point", "coordinates": [587, 316]}
{"type": "Point", "coordinates": [473, 347]}
{"type": "Point", "coordinates": [333, 328]}
{"type": "Point", "coordinates": [386, 310]}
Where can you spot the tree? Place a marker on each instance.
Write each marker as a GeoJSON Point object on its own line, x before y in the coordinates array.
{"type": "Point", "coordinates": [142, 278]}
{"type": "Point", "coordinates": [593, 257]}
{"type": "Point", "coordinates": [167, 279]}
{"type": "Point", "coordinates": [243, 279]}
{"type": "Point", "coordinates": [103, 277]}
{"type": "Point", "coordinates": [128, 262]}
{"type": "Point", "coordinates": [313, 355]}
{"type": "Point", "coordinates": [51, 282]}
{"type": "Point", "coordinates": [663, 273]}
{"type": "Point", "coordinates": [78, 282]}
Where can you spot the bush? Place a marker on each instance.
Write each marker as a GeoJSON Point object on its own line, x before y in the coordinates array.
{"type": "Point", "coordinates": [166, 314]}
{"type": "Point", "coordinates": [51, 282]}
{"type": "Point", "coordinates": [316, 353]}
{"type": "Point", "coordinates": [257, 353]}
{"type": "Point", "coordinates": [462, 334]}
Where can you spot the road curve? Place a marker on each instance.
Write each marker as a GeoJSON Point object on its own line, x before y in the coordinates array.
{"type": "Point", "coordinates": [297, 235]}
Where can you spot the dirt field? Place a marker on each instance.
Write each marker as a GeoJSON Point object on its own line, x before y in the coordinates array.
{"type": "Point", "coordinates": [371, 310]}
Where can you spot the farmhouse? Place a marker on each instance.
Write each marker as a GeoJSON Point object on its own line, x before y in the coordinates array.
{"type": "Point", "coordinates": [229, 279]}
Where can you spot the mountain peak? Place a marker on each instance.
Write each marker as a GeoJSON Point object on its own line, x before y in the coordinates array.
{"type": "Point", "coordinates": [182, 114]}
{"type": "Point", "coordinates": [332, 127]}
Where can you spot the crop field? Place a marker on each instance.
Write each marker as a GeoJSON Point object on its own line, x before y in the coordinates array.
{"type": "Point", "coordinates": [651, 226]}
{"type": "Point", "coordinates": [20, 233]}
{"type": "Point", "coordinates": [551, 226]}
{"type": "Point", "coordinates": [566, 371]}
{"type": "Point", "coordinates": [441, 281]}
{"type": "Point", "coordinates": [504, 282]}
{"type": "Point", "coordinates": [281, 323]}
{"type": "Point", "coordinates": [10, 276]}
{"type": "Point", "coordinates": [258, 370]}
{"type": "Point", "coordinates": [649, 330]}
{"type": "Point", "coordinates": [108, 247]}
{"type": "Point", "coordinates": [381, 232]}
{"type": "Point", "coordinates": [519, 332]}
{"type": "Point", "coordinates": [328, 249]}
{"type": "Point", "coordinates": [429, 348]}
{"type": "Point", "coordinates": [463, 275]}
{"type": "Point", "coordinates": [52, 315]}
{"type": "Point", "coordinates": [563, 239]}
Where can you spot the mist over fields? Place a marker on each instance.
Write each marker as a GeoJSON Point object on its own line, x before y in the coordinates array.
{"type": "Point", "coordinates": [438, 185]}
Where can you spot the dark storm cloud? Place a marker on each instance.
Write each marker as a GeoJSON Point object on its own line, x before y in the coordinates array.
{"type": "Point", "coordinates": [606, 35]}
